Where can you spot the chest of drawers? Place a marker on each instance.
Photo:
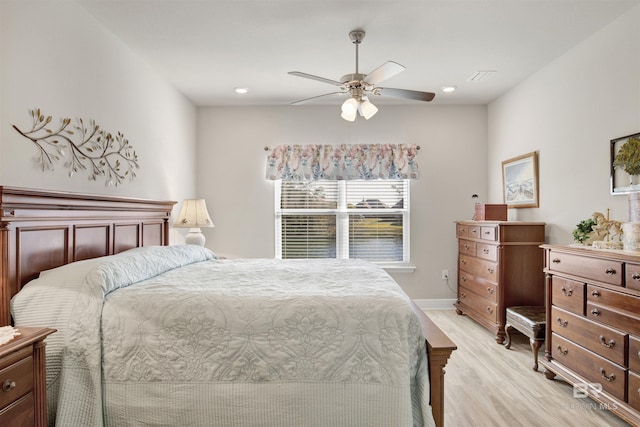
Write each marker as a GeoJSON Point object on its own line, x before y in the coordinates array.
{"type": "Point", "coordinates": [499, 266]}
{"type": "Point", "coordinates": [22, 379]}
{"type": "Point", "coordinates": [593, 325]}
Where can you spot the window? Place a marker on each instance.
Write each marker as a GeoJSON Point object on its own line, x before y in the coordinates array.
{"type": "Point", "coordinates": [343, 219]}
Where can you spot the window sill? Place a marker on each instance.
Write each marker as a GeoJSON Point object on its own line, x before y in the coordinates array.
{"type": "Point", "coordinates": [404, 268]}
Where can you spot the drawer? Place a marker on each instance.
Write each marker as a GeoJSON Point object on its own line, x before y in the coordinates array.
{"type": "Point", "coordinates": [488, 233]}
{"type": "Point", "coordinates": [606, 342]}
{"type": "Point", "coordinates": [612, 317]}
{"type": "Point", "coordinates": [634, 391]}
{"type": "Point", "coordinates": [613, 308]}
{"type": "Point", "coordinates": [467, 247]}
{"type": "Point", "coordinates": [21, 373]}
{"type": "Point", "coordinates": [478, 267]}
{"type": "Point", "coordinates": [484, 308]}
{"type": "Point", "coordinates": [20, 413]}
{"type": "Point", "coordinates": [589, 365]}
{"type": "Point", "coordinates": [602, 270]}
{"type": "Point", "coordinates": [462, 230]}
{"type": "Point", "coordinates": [632, 276]}
{"type": "Point", "coordinates": [474, 231]}
{"type": "Point", "coordinates": [488, 252]}
{"type": "Point", "coordinates": [479, 286]}
{"type": "Point", "coordinates": [568, 294]}
{"type": "Point", "coordinates": [634, 353]}
{"type": "Point", "coordinates": [619, 300]}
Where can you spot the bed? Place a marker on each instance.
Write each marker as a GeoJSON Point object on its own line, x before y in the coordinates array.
{"type": "Point", "coordinates": [46, 230]}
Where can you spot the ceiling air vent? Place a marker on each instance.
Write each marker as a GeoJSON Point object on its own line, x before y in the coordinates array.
{"type": "Point", "coordinates": [481, 75]}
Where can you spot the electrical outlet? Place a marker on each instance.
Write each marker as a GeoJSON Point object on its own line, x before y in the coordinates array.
{"type": "Point", "coordinates": [445, 274]}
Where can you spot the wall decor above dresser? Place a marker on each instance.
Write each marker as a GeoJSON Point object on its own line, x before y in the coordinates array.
{"type": "Point", "coordinates": [499, 265]}
{"type": "Point", "coordinates": [593, 325]}
{"type": "Point", "coordinates": [520, 181]}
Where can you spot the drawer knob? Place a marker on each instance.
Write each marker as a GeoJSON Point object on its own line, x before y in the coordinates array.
{"type": "Point", "coordinates": [562, 352]}
{"type": "Point", "coordinates": [604, 342]}
{"type": "Point", "coordinates": [8, 385]}
{"type": "Point", "coordinates": [463, 261]}
{"type": "Point", "coordinates": [490, 270]}
{"type": "Point", "coordinates": [466, 246]}
{"type": "Point", "coordinates": [610, 271]}
{"type": "Point", "coordinates": [562, 323]}
{"type": "Point", "coordinates": [463, 278]}
{"type": "Point", "coordinates": [485, 250]}
{"type": "Point", "coordinates": [489, 310]}
{"type": "Point", "coordinates": [595, 312]}
{"type": "Point", "coordinates": [490, 290]}
{"type": "Point", "coordinates": [463, 295]}
{"type": "Point", "coordinates": [474, 231]}
{"type": "Point", "coordinates": [636, 276]}
{"type": "Point", "coordinates": [595, 294]}
{"type": "Point", "coordinates": [566, 292]}
{"type": "Point", "coordinates": [556, 261]}
{"type": "Point", "coordinates": [610, 377]}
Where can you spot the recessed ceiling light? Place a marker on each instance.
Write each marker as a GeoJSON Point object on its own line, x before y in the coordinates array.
{"type": "Point", "coordinates": [450, 88]}
{"type": "Point", "coordinates": [241, 90]}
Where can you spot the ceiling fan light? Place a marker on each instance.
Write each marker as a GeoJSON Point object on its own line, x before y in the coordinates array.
{"type": "Point", "coordinates": [349, 116]}
{"type": "Point", "coordinates": [367, 109]}
{"type": "Point", "coordinates": [350, 106]}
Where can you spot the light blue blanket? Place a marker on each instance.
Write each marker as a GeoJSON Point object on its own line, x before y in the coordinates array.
{"type": "Point", "coordinates": [172, 336]}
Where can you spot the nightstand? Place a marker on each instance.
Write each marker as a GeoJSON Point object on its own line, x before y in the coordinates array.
{"type": "Point", "coordinates": [23, 399]}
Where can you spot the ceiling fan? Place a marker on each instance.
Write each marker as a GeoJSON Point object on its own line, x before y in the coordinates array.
{"type": "Point", "coordinates": [360, 86]}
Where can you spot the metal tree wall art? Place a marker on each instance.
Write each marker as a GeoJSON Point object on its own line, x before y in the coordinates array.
{"type": "Point", "coordinates": [82, 147]}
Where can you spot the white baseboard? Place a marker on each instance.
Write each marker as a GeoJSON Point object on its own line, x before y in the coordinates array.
{"type": "Point", "coordinates": [434, 304]}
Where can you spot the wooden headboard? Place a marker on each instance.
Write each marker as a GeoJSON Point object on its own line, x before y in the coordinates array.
{"type": "Point", "coordinates": [41, 229]}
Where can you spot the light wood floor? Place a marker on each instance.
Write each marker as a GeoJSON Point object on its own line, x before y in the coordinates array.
{"type": "Point", "coordinates": [487, 385]}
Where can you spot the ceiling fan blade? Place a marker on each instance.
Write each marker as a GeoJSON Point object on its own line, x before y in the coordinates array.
{"type": "Point", "coordinates": [407, 94]}
{"type": "Point", "coordinates": [384, 72]}
{"type": "Point", "coordinates": [314, 98]}
{"type": "Point", "coordinates": [312, 77]}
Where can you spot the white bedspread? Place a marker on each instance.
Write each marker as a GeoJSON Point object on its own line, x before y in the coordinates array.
{"type": "Point", "coordinates": [188, 340]}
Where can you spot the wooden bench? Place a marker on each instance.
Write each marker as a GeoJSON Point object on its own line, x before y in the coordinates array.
{"type": "Point", "coordinates": [529, 320]}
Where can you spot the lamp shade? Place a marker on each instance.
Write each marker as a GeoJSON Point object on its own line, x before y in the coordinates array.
{"type": "Point", "coordinates": [194, 215]}
{"type": "Point", "coordinates": [349, 109]}
{"type": "Point", "coordinates": [366, 108]}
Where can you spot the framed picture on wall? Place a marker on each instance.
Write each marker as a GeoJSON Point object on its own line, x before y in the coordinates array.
{"type": "Point", "coordinates": [625, 164]}
{"type": "Point", "coordinates": [520, 181]}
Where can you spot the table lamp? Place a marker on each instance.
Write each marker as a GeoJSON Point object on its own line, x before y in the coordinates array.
{"type": "Point", "coordinates": [193, 216]}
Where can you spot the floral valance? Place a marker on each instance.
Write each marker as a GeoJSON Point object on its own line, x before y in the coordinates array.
{"type": "Point", "coordinates": [342, 162]}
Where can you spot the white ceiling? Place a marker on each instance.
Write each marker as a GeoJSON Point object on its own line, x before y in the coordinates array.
{"type": "Point", "coordinates": [207, 48]}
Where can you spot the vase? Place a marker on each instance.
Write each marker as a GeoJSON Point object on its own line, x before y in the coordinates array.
{"type": "Point", "coordinates": [631, 236]}
{"type": "Point", "coordinates": [634, 207]}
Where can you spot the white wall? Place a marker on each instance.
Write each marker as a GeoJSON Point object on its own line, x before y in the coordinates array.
{"type": "Point", "coordinates": [452, 160]}
{"type": "Point", "coordinates": [56, 57]}
{"type": "Point", "coordinates": [568, 112]}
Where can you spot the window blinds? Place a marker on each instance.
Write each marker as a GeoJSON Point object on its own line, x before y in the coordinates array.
{"type": "Point", "coordinates": [343, 219]}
